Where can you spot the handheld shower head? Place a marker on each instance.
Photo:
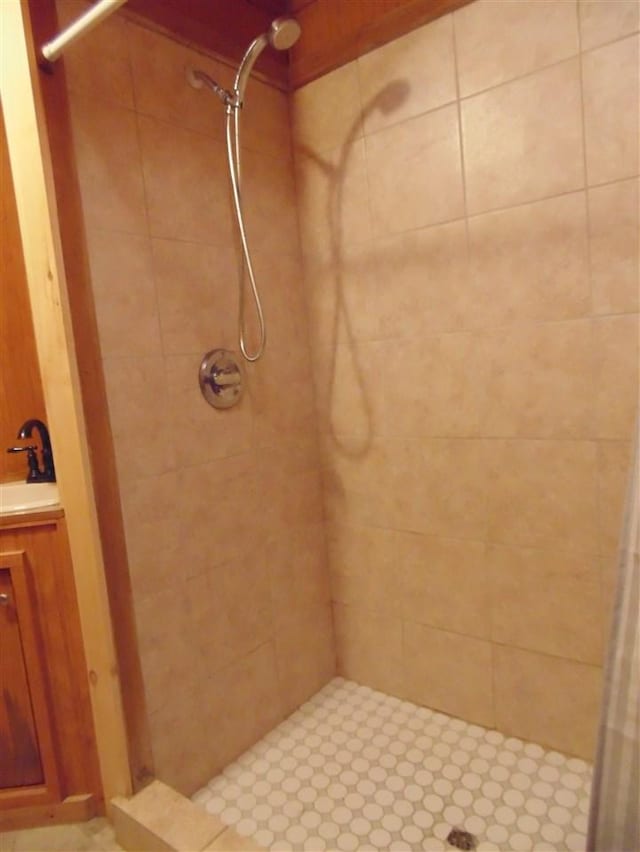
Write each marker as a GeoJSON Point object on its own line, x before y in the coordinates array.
{"type": "Point", "coordinates": [282, 34]}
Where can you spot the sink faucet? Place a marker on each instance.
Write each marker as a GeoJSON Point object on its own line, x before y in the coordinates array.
{"type": "Point", "coordinates": [48, 471]}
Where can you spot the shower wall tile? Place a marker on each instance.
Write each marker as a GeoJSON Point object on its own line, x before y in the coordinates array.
{"type": "Point", "coordinates": [408, 76]}
{"type": "Point", "coordinates": [523, 140]}
{"type": "Point", "coordinates": [110, 175]}
{"type": "Point", "coordinates": [326, 113]}
{"type": "Point", "coordinates": [223, 510]}
{"type": "Point", "coordinates": [614, 466]}
{"type": "Point", "coordinates": [415, 176]}
{"type": "Point", "coordinates": [109, 79]}
{"type": "Point", "coordinates": [265, 122]}
{"type": "Point", "coordinates": [365, 568]}
{"type": "Point", "coordinates": [540, 383]}
{"type": "Point", "coordinates": [128, 321]}
{"type": "Point", "coordinates": [227, 433]}
{"type": "Point", "coordinates": [271, 217]}
{"type": "Point", "coordinates": [305, 652]}
{"type": "Point", "coordinates": [186, 184]}
{"type": "Point", "coordinates": [496, 42]}
{"type": "Point", "coordinates": [444, 583]}
{"type": "Point", "coordinates": [296, 557]}
{"type": "Point", "coordinates": [547, 699]}
{"type": "Point", "coordinates": [611, 98]}
{"type": "Point", "coordinates": [159, 67]}
{"type": "Point", "coordinates": [476, 379]}
{"type": "Point", "coordinates": [602, 21]}
{"type": "Point", "coordinates": [142, 436]}
{"type": "Point", "coordinates": [369, 647]}
{"type": "Point", "coordinates": [543, 494]}
{"type": "Point", "coordinates": [192, 310]}
{"type": "Point", "coordinates": [614, 228]}
{"type": "Point", "coordinates": [449, 672]}
{"type": "Point", "coordinates": [433, 486]}
{"type": "Point", "coordinates": [567, 623]}
{"type": "Point", "coordinates": [333, 201]}
{"type": "Point", "coordinates": [615, 341]}
{"type": "Point", "coordinates": [530, 262]}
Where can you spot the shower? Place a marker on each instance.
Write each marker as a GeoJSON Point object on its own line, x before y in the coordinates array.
{"type": "Point", "coordinates": [281, 35]}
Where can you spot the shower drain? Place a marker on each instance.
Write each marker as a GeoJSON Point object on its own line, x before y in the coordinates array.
{"type": "Point", "coordinates": [461, 839]}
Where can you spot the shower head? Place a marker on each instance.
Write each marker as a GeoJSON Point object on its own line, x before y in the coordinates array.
{"type": "Point", "coordinates": [282, 34]}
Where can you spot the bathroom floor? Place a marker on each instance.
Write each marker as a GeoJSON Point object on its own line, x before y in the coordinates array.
{"type": "Point", "coordinates": [354, 769]}
{"type": "Point", "coordinates": [94, 836]}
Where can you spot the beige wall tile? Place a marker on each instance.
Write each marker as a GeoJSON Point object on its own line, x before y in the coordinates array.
{"type": "Point", "coordinates": [366, 568]}
{"type": "Point", "coordinates": [414, 170]}
{"type": "Point", "coordinates": [378, 387]}
{"type": "Point", "coordinates": [408, 76]}
{"type": "Point", "coordinates": [296, 558]}
{"type": "Point", "coordinates": [448, 672]}
{"type": "Point", "coordinates": [546, 601]}
{"type": "Point", "coordinates": [614, 470]}
{"type": "Point", "coordinates": [305, 653]}
{"type": "Point", "coordinates": [535, 130]}
{"type": "Point", "coordinates": [614, 223]}
{"type": "Point", "coordinates": [497, 41]}
{"type": "Point", "coordinates": [124, 293]}
{"type": "Point", "coordinates": [241, 703]}
{"type": "Point", "coordinates": [615, 352]}
{"type": "Point", "coordinates": [138, 400]}
{"type": "Point", "coordinates": [326, 114]}
{"type": "Point", "coordinates": [605, 20]}
{"type": "Point", "coordinates": [369, 648]}
{"type": "Point", "coordinates": [185, 767]}
{"type": "Point", "coordinates": [268, 195]}
{"type": "Point", "coordinates": [197, 295]}
{"type": "Point", "coordinates": [333, 201]}
{"type": "Point", "coordinates": [444, 583]}
{"type": "Point", "coordinates": [434, 486]}
{"type": "Point", "coordinates": [110, 175]}
{"type": "Point", "coordinates": [159, 67]}
{"type": "Point", "coordinates": [200, 433]}
{"type": "Point", "coordinates": [530, 262]}
{"type": "Point", "coordinates": [422, 283]}
{"type": "Point", "coordinates": [611, 110]}
{"type": "Point", "coordinates": [543, 494]}
{"type": "Point", "coordinates": [548, 700]}
{"type": "Point", "coordinates": [540, 384]}
{"type": "Point", "coordinates": [110, 78]}
{"type": "Point", "coordinates": [266, 125]}
{"type": "Point", "coordinates": [186, 184]}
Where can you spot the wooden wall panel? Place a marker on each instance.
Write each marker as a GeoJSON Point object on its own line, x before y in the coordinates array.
{"type": "Point", "coordinates": [336, 31]}
{"type": "Point", "coordinates": [103, 468]}
{"type": "Point", "coordinates": [20, 385]}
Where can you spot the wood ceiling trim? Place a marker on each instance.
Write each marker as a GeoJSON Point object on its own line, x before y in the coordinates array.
{"type": "Point", "coordinates": [335, 32]}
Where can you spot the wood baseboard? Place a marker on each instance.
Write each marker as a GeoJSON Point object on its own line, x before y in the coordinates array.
{"type": "Point", "coordinates": [73, 809]}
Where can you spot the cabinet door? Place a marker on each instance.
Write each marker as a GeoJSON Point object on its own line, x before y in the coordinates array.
{"type": "Point", "coordinates": [20, 765]}
{"type": "Point", "coordinates": [28, 766]}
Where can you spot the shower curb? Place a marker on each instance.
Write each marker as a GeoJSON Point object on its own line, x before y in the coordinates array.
{"type": "Point", "coordinates": [159, 818]}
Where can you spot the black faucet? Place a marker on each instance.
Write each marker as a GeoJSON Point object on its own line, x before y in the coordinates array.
{"type": "Point", "coordinates": [48, 471]}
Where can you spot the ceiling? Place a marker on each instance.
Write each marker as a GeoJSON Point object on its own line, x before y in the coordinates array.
{"type": "Point", "coordinates": [333, 31]}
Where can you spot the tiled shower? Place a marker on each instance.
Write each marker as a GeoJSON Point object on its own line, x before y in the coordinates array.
{"type": "Point", "coordinates": [422, 490]}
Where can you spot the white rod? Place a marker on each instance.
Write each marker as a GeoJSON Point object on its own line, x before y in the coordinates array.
{"type": "Point", "coordinates": [53, 49]}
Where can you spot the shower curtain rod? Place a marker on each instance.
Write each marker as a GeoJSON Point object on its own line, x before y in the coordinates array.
{"type": "Point", "coordinates": [53, 49]}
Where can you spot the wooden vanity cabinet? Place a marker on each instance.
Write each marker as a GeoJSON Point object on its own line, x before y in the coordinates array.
{"type": "Point", "coordinates": [49, 767]}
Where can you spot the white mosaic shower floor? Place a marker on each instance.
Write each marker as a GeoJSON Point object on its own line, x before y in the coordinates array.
{"type": "Point", "coordinates": [355, 769]}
